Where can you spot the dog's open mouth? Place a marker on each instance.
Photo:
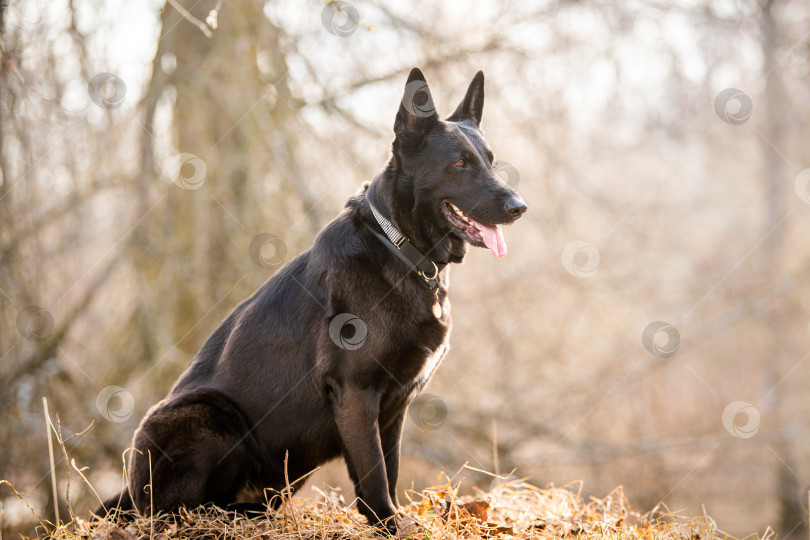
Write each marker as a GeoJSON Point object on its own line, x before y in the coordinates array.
{"type": "Point", "coordinates": [473, 232]}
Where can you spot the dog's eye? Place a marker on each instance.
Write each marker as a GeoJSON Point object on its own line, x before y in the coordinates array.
{"type": "Point", "coordinates": [460, 163]}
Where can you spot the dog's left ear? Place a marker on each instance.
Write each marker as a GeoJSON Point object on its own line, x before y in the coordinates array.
{"type": "Point", "coordinates": [472, 106]}
{"type": "Point", "coordinates": [417, 115]}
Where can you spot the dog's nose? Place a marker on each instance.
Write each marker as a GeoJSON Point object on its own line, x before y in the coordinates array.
{"type": "Point", "coordinates": [515, 206]}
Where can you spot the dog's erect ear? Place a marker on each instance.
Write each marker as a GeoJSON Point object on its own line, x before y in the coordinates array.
{"type": "Point", "coordinates": [472, 106]}
{"type": "Point", "coordinates": [416, 115]}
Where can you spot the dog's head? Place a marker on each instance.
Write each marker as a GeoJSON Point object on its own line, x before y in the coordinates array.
{"type": "Point", "coordinates": [447, 194]}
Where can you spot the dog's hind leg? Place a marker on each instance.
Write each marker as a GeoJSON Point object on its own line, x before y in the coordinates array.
{"type": "Point", "coordinates": [192, 450]}
{"type": "Point", "coordinates": [121, 503]}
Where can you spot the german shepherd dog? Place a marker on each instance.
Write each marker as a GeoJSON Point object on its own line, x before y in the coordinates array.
{"type": "Point", "coordinates": [324, 358]}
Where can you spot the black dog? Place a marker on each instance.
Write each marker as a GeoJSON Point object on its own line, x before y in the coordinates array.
{"type": "Point", "coordinates": [323, 360]}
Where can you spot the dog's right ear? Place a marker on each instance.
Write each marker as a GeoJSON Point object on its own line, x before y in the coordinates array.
{"type": "Point", "coordinates": [417, 115]}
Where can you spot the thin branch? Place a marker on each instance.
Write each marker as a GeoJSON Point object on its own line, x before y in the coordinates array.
{"type": "Point", "coordinates": [192, 19]}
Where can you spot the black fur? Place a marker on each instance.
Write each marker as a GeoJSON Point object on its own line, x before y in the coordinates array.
{"type": "Point", "coordinates": [272, 382]}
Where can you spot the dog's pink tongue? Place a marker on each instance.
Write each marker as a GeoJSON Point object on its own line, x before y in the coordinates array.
{"type": "Point", "coordinates": [493, 238]}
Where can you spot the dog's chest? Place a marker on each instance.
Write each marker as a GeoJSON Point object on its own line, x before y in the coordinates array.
{"type": "Point", "coordinates": [420, 342]}
{"type": "Point", "coordinates": [441, 312]}
{"type": "Point", "coordinates": [425, 365]}
{"type": "Point", "coordinates": [432, 362]}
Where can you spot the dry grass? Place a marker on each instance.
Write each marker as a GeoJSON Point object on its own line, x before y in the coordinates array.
{"type": "Point", "coordinates": [512, 510]}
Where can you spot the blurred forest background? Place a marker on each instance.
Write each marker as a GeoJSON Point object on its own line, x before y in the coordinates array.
{"type": "Point", "coordinates": [648, 328]}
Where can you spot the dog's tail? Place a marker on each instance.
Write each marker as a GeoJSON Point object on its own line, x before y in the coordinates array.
{"type": "Point", "coordinates": [119, 504]}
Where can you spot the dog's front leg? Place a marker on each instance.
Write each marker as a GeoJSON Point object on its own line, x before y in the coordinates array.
{"type": "Point", "coordinates": [391, 440]}
{"type": "Point", "coordinates": [356, 416]}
